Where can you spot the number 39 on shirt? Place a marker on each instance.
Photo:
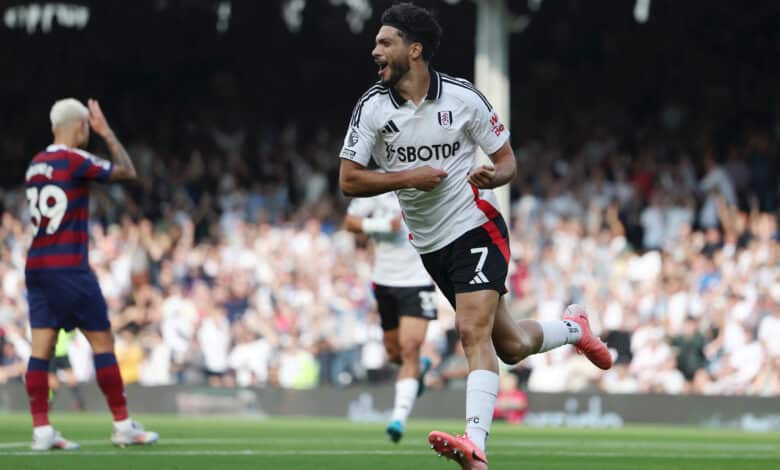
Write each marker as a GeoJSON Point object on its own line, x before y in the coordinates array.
{"type": "Point", "coordinates": [50, 202]}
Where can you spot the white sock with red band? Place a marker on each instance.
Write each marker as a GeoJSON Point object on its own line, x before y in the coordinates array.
{"type": "Point", "coordinates": [481, 392]}
{"type": "Point", "coordinates": [559, 332]}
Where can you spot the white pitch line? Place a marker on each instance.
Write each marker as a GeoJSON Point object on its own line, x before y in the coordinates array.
{"type": "Point", "coordinates": [748, 446]}
{"type": "Point", "coordinates": [226, 453]}
{"type": "Point", "coordinates": [217, 441]}
{"type": "Point", "coordinates": [494, 444]}
{"type": "Point", "coordinates": [323, 453]}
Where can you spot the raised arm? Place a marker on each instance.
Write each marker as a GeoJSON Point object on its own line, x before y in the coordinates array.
{"type": "Point", "coordinates": [124, 170]}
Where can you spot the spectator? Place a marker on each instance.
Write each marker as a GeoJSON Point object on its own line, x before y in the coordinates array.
{"type": "Point", "coordinates": [690, 349]}
{"type": "Point", "coordinates": [216, 257]}
{"type": "Point", "coordinates": [12, 367]}
{"type": "Point", "coordinates": [512, 402]}
{"type": "Point", "coordinates": [214, 341]}
{"type": "Point", "coordinates": [250, 358]}
{"type": "Point", "coordinates": [129, 356]}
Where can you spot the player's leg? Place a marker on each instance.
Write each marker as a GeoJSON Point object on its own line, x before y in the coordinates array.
{"type": "Point", "coordinates": [126, 430]}
{"type": "Point", "coordinates": [392, 343]}
{"type": "Point", "coordinates": [515, 340]}
{"type": "Point", "coordinates": [387, 307]}
{"type": "Point", "coordinates": [37, 379]}
{"type": "Point", "coordinates": [417, 306]}
{"type": "Point", "coordinates": [107, 371]}
{"type": "Point", "coordinates": [474, 318]}
{"type": "Point", "coordinates": [92, 320]}
{"type": "Point", "coordinates": [475, 266]}
{"type": "Point", "coordinates": [49, 300]}
{"type": "Point", "coordinates": [412, 335]}
{"type": "Point", "coordinates": [45, 437]}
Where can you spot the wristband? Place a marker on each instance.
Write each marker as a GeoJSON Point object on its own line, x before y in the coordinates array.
{"type": "Point", "coordinates": [375, 225]}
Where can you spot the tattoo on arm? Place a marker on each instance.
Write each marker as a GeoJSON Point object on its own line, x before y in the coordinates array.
{"type": "Point", "coordinates": [123, 165]}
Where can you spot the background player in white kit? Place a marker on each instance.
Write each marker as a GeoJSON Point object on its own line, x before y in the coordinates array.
{"type": "Point", "coordinates": [422, 128]}
{"type": "Point", "coordinates": [405, 295]}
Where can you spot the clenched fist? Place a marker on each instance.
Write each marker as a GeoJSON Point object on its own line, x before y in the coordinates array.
{"type": "Point", "coordinates": [483, 177]}
{"type": "Point", "coordinates": [426, 178]}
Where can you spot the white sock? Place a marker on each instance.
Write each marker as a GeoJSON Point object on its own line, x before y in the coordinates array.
{"type": "Point", "coordinates": [405, 395]}
{"type": "Point", "coordinates": [124, 425]}
{"type": "Point", "coordinates": [481, 392]}
{"type": "Point", "coordinates": [43, 430]}
{"type": "Point", "coordinates": [559, 332]}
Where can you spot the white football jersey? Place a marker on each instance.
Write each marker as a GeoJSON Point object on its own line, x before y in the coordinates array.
{"type": "Point", "coordinates": [397, 264]}
{"type": "Point", "coordinates": [443, 132]}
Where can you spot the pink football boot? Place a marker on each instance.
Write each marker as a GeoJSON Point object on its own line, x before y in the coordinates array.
{"type": "Point", "coordinates": [458, 448]}
{"type": "Point", "coordinates": [589, 344]}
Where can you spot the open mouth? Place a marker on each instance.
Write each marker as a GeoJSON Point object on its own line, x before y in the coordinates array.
{"type": "Point", "coordinates": [382, 67]}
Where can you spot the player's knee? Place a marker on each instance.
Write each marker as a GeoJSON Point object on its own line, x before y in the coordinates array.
{"type": "Point", "coordinates": [393, 352]}
{"type": "Point", "coordinates": [101, 341]}
{"type": "Point", "coordinates": [410, 349]}
{"type": "Point", "coordinates": [472, 330]}
{"type": "Point", "coordinates": [472, 334]}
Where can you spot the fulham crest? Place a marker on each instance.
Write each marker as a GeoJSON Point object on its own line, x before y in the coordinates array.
{"type": "Point", "coordinates": [445, 119]}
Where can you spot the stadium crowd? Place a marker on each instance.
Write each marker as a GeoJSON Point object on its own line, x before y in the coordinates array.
{"type": "Point", "coordinates": [233, 270]}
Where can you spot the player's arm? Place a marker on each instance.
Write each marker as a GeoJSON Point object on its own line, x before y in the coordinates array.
{"type": "Point", "coordinates": [361, 218]}
{"type": "Point", "coordinates": [123, 170]}
{"type": "Point", "coordinates": [503, 170]}
{"type": "Point", "coordinates": [492, 136]}
{"type": "Point", "coordinates": [357, 181]}
{"type": "Point", "coordinates": [371, 225]}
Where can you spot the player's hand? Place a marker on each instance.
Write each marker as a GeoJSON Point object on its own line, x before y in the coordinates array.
{"type": "Point", "coordinates": [426, 178]}
{"type": "Point", "coordinates": [483, 176]}
{"type": "Point", "coordinates": [395, 224]}
{"type": "Point", "coordinates": [97, 121]}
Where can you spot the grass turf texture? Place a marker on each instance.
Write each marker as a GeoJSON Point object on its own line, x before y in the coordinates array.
{"type": "Point", "coordinates": [235, 443]}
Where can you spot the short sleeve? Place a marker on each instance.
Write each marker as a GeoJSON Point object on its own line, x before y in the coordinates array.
{"type": "Point", "coordinates": [361, 135]}
{"type": "Point", "coordinates": [361, 206]}
{"type": "Point", "coordinates": [90, 167]}
{"type": "Point", "coordinates": [485, 127]}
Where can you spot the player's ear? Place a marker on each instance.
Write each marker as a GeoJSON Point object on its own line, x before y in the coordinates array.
{"type": "Point", "coordinates": [415, 50]}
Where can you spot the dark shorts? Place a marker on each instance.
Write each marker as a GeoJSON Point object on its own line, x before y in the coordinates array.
{"type": "Point", "coordinates": [396, 302]}
{"type": "Point", "coordinates": [477, 260]}
{"type": "Point", "coordinates": [66, 299]}
{"type": "Point", "coordinates": [59, 363]}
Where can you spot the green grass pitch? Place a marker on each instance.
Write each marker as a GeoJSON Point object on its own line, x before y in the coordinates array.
{"type": "Point", "coordinates": [236, 443]}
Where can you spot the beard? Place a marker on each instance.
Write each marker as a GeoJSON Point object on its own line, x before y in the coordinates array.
{"type": "Point", "coordinates": [397, 72]}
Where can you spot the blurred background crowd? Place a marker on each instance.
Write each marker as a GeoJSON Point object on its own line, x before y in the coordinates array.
{"type": "Point", "coordinates": [647, 191]}
{"type": "Point", "coordinates": [218, 271]}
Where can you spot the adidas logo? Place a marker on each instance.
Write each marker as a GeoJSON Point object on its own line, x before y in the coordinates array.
{"type": "Point", "coordinates": [479, 278]}
{"type": "Point", "coordinates": [390, 128]}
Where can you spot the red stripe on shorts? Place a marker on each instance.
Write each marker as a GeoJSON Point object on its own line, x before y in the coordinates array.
{"type": "Point", "coordinates": [491, 213]}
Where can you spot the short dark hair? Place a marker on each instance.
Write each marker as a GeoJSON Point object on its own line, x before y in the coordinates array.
{"type": "Point", "coordinates": [415, 24]}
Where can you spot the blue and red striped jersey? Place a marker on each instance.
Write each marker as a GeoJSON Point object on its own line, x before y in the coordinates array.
{"type": "Point", "coordinates": [57, 189]}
